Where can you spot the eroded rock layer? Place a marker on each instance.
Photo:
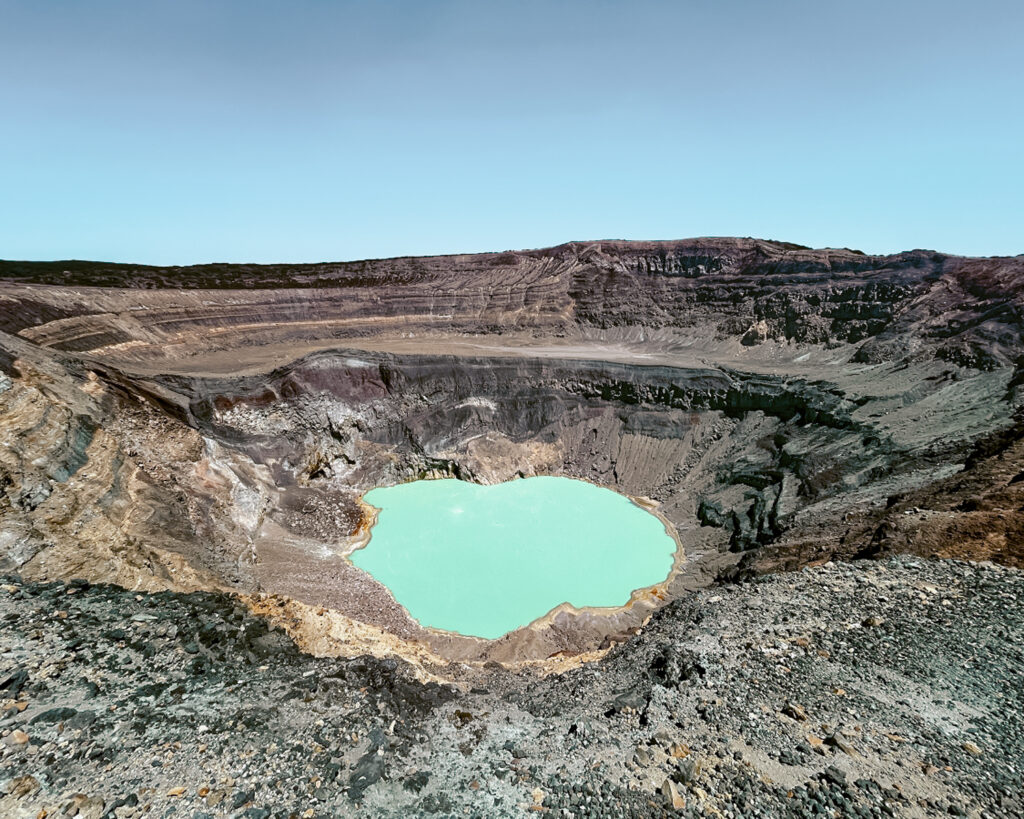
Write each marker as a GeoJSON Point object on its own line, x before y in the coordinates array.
{"type": "Point", "coordinates": [213, 427]}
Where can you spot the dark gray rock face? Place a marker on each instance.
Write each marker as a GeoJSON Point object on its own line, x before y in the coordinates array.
{"type": "Point", "coordinates": [765, 697]}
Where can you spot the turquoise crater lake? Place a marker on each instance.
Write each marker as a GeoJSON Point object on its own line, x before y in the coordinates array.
{"type": "Point", "coordinates": [485, 560]}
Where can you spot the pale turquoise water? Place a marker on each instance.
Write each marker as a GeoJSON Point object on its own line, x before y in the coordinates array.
{"type": "Point", "coordinates": [485, 560]}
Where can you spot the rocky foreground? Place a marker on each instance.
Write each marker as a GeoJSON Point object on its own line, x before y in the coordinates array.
{"type": "Point", "coordinates": [873, 688]}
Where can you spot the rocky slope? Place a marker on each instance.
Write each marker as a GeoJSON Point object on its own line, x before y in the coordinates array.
{"type": "Point", "coordinates": [866, 689]}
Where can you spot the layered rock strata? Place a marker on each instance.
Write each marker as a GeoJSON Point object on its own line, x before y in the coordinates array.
{"type": "Point", "coordinates": [214, 427]}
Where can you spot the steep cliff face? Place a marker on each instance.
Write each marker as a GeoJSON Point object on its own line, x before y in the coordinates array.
{"type": "Point", "coordinates": [964, 310]}
{"type": "Point", "coordinates": [214, 427]}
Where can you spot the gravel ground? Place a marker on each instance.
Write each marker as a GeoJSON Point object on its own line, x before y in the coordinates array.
{"type": "Point", "coordinates": [889, 688]}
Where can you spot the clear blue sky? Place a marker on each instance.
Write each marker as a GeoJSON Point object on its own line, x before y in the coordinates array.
{"type": "Point", "coordinates": [301, 130]}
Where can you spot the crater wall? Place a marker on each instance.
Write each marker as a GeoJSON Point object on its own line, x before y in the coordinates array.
{"type": "Point", "coordinates": [214, 427]}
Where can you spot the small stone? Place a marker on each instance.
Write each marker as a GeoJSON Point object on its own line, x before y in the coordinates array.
{"type": "Point", "coordinates": [241, 798]}
{"type": "Point", "coordinates": [787, 757]}
{"type": "Point", "coordinates": [538, 796]}
{"type": "Point", "coordinates": [23, 786]}
{"type": "Point", "coordinates": [14, 682]}
{"type": "Point", "coordinates": [687, 770]}
{"type": "Point", "coordinates": [74, 803]}
{"type": "Point", "coordinates": [672, 795]}
{"type": "Point", "coordinates": [971, 748]}
{"type": "Point", "coordinates": [367, 771]}
{"type": "Point", "coordinates": [178, 791]}
{"type": "Point", "coordinates": [872, 622]}
{"type": "Point", "coordinates": [663, 737]}
{"type": "Point", "coordinates": [794, 711]}
{"type": "Point", "coordinates": [16, 739]}
{"type": "Point", "coordinates": [836, 741]}
{"type": "Point", "coordinates": [91, 808]}
{"type": "Point", "coordinates": [417, 781]}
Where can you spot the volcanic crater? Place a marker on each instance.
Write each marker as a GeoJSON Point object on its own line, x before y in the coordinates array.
{"type": "Point", "coordinates": [213, 428]}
